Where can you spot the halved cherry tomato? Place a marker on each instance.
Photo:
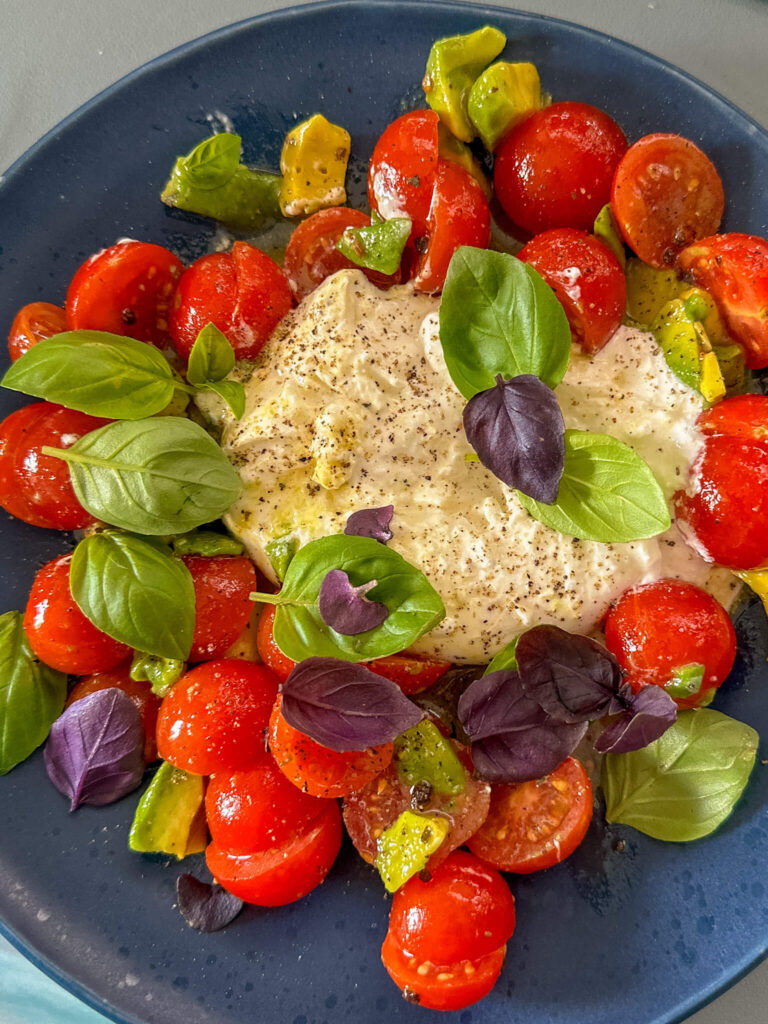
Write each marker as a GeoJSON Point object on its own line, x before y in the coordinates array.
{"type": "Point", "coordinates": [222, 603]}
{"type": "Point", "coordinates": [401, 174]}
{"type": "Point", "coordinates": [215, 718]}
{"type": "Point", "coordinates": [733, 268]}
{"type": "Point", "coordinates": [535, 825]}
{"type": "Point", "coordinates": [412, 672]}
{"type": "Point", "coordinates": [587, 279]}
{"type": "Point", "coordinates": [243, 292]}
{"type": "Point", "coordinates": [34, 487]}
{"type": "Point", "coordinates": [311, 254]}
{"type": "Point", "coordinates": [554, 169]}
{"type": "Point", "coordinates": [125, 289]}
{"type": "Point", "coordinates": [59, 633]}
{"type": "Point", "coordinates": [657, 628]}
{"type": "Point", "coordinates": [269, 652]}
{"type": "Point", "coordinates": [32, 323]}
{"type": "Point", "coordinates": [140, 693]}
{"type": "Point", "coordinates": [316, 769]}
{"type": "Point", "coordinates": [742, 416]}
{"type": "Point", "coordinates": [286, 872]}
{"type": "Point", "coordinates": [666, 193]}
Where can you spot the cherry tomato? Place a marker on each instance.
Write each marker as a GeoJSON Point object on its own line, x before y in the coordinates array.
{"type": "Point", "coordinates": [222, 602]}
{"type": "Point", "coordinates": [554, 170]}
{"type": "Point", "coordinates": [412, 672]}
{"type": "Point", "coordinates": [140, 693]}
{"type": "Point", "coordinates": [32, 323]}
{"type": "Point", "coordinates": [316, 769]}
{"type": "Point", "coordinates": [723, 515]}
{"type": "Point", "coordinates": [268, 650]}
{"type": "Point", "coordinates": [34, 487]}
{"type": "Point", "coordinates": [59, 633]}
{"type": "Point", "coordinates": [284, 873]}
{"type": "Point", "coordinates": [586, 278]}
{"type": "Point", "coordinates": [534, 825]}
{"type": "Point", "coordinates": [311, 254]}
{"type": "Point", "coordinates": [125, 289]}
{"type": "Point", "coordinates": [243, 292]}
{"type": "Point", "coordinates": [215, 717]}
{"type": "Point", "coordinates": [743, 416]}
{"type": "Point", "coordinates": [733, 268]}
{"type": "Point", "coordinates": [401, 174]}
{"type": "Point", "coordinates": [666, 193]}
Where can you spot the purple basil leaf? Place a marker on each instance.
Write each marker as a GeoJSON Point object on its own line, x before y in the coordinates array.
{"type": "Point", "coordinates": [518, 432]}
{"type": "Point", "coordinates": [345, 608]}
{"type": "Point", "coordinates": [513, 739]}
{"type": "Point", "coordinates": [651, 712]}
{"type": "Point", "coordinates": [344, 706]}
{"type": "Point", "coordinates": [573, 678]}
{"type": "Point", "coordinates": [95, 752]}
{"type": "Point", "coordinates": [371, 522]}
{"type": "Point", "coordinates": [204, 906]}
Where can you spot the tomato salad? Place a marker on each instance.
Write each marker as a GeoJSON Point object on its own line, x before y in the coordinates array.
{"type": "Point", "coordinates": [143, 644]}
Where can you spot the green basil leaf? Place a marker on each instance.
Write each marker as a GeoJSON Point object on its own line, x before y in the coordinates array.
{"type": "Point", "coordinates": [135, 592]}
{"type": "Point", "coordinates": [377, 246]}
{"type": "Point", "coordinates": [212, 357]}
{"type": "Point", "coordinates": [207, 542]}
{"type": "Point", "coordinates": [607, 493]}
{"type": "Point", "coordinates": [97, 373]}
{"type": "Point", "coordinates": [414, 606]}
{"type": "Point", "coordinates": [498, 315]}
{"type": "Point", "coordinates": [154, 476]}
{"type": "Point", "coordinates": [213, 161]}
{"type": "Point", "coordinates": [232, 392]}
{"type": "Point", "coordinates": [32, 695]}
{"type": "Point", "coordinates": [504, 659]}
{"type": "Point", "coordinates": [685, 784]}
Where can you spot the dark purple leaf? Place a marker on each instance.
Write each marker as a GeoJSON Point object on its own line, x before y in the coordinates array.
{"type": "Point", "coordinates": [513, 739]}
{"type": "Point", "coordinates": [518, 432]}
{"type": "Point", "coordinates": [345, 608]}
{"type": "Point", "coordinates": [204, 906]}
{"type": "Point", "coordinates": [371, 522]}
{"type": "Point", "coordinates": [651, 712]}
{"type": "Point", "coordinates": [573, 678]}
{"type": "Point", "coordinates": [344, 706]}
{"type": "Point", "coordinates": [95, 752]}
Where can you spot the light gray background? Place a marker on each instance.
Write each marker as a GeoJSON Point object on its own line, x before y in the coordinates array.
{"type": "Point", "coordinates": [55, 54]}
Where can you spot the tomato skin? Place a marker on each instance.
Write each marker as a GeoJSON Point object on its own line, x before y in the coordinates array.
{"type": "Point", "coordinates": [222, 603]}
{"type": "Point", "coordinates": [725, 515]}
{"type": "Point", "coordinates": [126, 289]}
{"type": "Point", "coordinates": [733, 268]}
{"type": "Point", "coordinates": [215, 717]}
{"type": "Point", "coordinates": [743, 416]}
{"type": "Point", "coordinates": [587, 279]}
{"type": "Point", "coordinates": [316, 769]}
{"type": "Point", "coordinates": [412, 672]}
{"type": "Point", "coordinates": [147, 703]}
{"type": "Point", "coordinates": [282, 874]}
{"type": "Point", "coordinates": [243, 292]}
{"type": "Point", "coordinates": [402, 169]}
{"type": "Point", "coordinates": [555, 168]}
{"type": "Point", "coordinates": [535, 825]}
{"type": "Point", "coordinates": [58, 632]}
{"type": "Point", "coordinates": [268, 650]}
{"type": "Point", "coordinates": [32, 323]}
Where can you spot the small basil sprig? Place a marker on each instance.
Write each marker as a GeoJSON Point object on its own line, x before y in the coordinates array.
{"type": "Point", "coordinates": [211, 359]}
{"type": "Point", "coordinates": [32, 695]}
{"type": "Point", "coordinates": [153, 476]}
{"type": "Point", "coordinates": [376, 246]}
{"type": "Point", "coordinates": [414, 606]}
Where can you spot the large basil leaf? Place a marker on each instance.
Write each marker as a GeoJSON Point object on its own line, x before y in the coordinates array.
{"type": "Point", "coordinates": [607, 493]}
{"type": "Point", "coordinates": [32, 695]}
{"type": "Point", "coordinates": [136, 592]}
{"type": "Point", "coordinates": [498, 316]}
{"type": "Point", "coordinates": [154, 476]}
{"type": "Point", "coordinates": [414, 606]}
{"type": "Point", "coordinates": [684, 784]}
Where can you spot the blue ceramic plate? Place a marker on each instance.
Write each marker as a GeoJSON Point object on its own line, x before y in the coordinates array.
{"type": "Point", "coordinates": [641, 936]}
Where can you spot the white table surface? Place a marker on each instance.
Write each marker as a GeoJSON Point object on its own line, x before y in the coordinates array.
{"type": "Point", "coordinates": [55, 54]}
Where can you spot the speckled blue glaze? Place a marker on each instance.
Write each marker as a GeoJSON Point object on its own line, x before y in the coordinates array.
{"type": "Point", "coordinates": [642, 936]}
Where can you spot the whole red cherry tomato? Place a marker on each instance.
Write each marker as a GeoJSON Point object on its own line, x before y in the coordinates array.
{"type": "Point", "coordinates": [742, 416]}
{"type": "Point", "coordinates": [412, 672]}
{"type": "Point", "coordinates": [587, 279]}
{"type": "Point", "coordinates": [554, 169]}
{"type": "Point", "coordinates": [59, 633]}
{"type": "Point", "coordinates": [268, 650]}
{"type": "Point", "coordinates": [733, 268]}
{"type": "Point", "coordinates": [222, 602]}
{"type": "Point", "coordinates": [32, 323]}
{"type": "Point", "coordinates": [243, 292]}
{"type": "Point", "coordinates": [125, 289]}
{"type": "Point", "coordinates": [401, 174]}
{"type": "Point", "coordinates": [666, 193]}
{"type": "Point", "coordinates": [140, 693]}
{"type": "Point", "coordinates": [215, 717]}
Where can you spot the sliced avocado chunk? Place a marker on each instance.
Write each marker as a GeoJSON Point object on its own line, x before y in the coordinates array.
{"type": "Point", "coordinates": [162, 673]}
{"type": "Point", "coordinates": [406, 846]}
{"type": "Point", "coordinates": [450, 148]}
{"type": "Point", "coordinates": [502, 96]}
{"type": "Point", "coordinates": [685, 681]}
{"type": "Point", "coordinates": [606, 229]}
{"type": "Point", "coordinates": [688, 351]}
{"type": "Point", "coordinates": [378, 246]}
{"type": "Point", "coordinates": [733, 367]}
{"type": "Point", "coordinates": [210, 543]}
{"type": "Point", "coordinates": [169, 816]}
{"type": "Point", "coordinates": [423, 754]}
{"type": "Point", "coordinates": [648, 290]}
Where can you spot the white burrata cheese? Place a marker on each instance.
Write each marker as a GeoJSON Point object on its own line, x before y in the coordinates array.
{"type": "Point", "coordinates": [350, 406]}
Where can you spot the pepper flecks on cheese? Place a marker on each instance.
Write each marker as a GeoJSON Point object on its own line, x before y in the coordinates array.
{"type": "Point", "coordinates": [350, 406]}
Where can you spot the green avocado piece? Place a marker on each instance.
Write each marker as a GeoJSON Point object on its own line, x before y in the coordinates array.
{"type": "Point", "coordinates": [502, 96]}
{"type": "Point", "coordinates": [423, 754]}
{"type": "Point", "coordinates": [606, 229]}
{"type": "Point", "coordinates": [406, 846]}
{"type": "Point", "coordinates": [733, 367]}
{"type": "Point", "coordinates": [170, 816]}
{"type": "Point", "coordinates": [679, 341]}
